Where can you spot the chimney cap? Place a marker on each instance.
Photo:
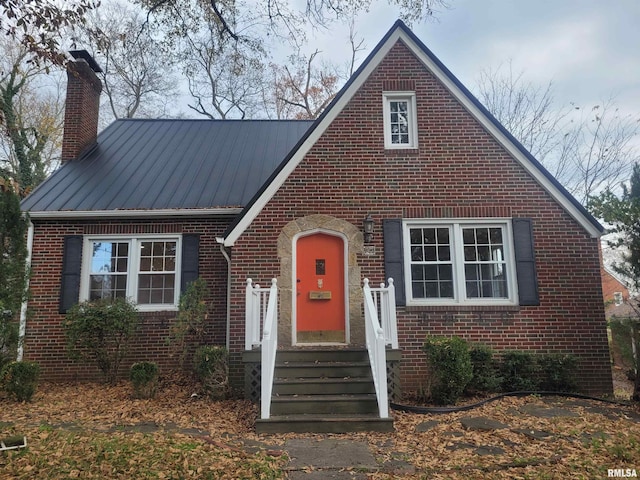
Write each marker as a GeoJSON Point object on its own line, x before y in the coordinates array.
{"type": "Point", "coordinates": [86, 56]}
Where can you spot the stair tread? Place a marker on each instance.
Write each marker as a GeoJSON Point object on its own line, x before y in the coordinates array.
{"type": "Point", "coordinates": [322, 363]}
{"type": "Point", "coordinates": [290, 380]}
{"type": "Point", "coordinates": [336, 417]}
{"type": "Point", "coordinates": [323, 397]}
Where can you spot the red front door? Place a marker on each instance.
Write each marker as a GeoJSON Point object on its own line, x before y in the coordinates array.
{"type": "Point", "coordinates": [320, 289]}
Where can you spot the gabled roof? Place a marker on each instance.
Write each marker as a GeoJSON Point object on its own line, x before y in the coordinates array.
{"type": "Point", "coordinates": [400, 32]}
{"type": "Point", "coordinates": [168, 166]}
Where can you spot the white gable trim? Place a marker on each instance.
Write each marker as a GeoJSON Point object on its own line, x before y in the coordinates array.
{"type": "Point", "coordinates": [399, 34]}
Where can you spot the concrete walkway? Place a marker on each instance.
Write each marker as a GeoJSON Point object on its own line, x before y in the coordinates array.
{"type": "Point", "coordinates": [338, 458]}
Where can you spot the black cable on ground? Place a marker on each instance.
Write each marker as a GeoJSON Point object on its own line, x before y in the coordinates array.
{"type": "Point", "coordinates": [463, 408]}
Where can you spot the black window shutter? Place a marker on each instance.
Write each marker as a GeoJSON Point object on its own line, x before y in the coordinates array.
{"type": "Point", "coordinates": [393, 259]}
{"type": "Point", "coordinates": [525, 261]}
{"type": "Point", "coordinates": [190, 259]}
{"type": "Point", "coordinates": [71, 267]}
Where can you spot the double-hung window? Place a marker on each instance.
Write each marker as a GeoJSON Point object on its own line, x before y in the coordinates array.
{"type": "Point", "coordinates": [453, 262]}
{"type": "Point", "coordinates": [144, 269]}
{"type": "Point", "coordinates": [400, 120]}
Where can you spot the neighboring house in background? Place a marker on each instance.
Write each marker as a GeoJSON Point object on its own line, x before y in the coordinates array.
{"type": "Point", "coordinates": [481, 241]}
{"type": "Point", "coordinates": [615, 293]}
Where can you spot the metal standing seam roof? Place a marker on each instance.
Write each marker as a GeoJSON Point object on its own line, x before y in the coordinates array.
{"type": "Point", "coordinates": [141, 164]}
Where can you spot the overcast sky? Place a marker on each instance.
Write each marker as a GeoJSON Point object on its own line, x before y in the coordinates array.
{"type": "Point", "coordinates": [589, 49]}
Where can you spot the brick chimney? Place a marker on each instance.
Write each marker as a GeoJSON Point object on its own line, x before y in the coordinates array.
{"type": "Point", "coordinates": [82, 105]}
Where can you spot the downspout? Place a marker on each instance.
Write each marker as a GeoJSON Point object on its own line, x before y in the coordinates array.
{"type": "Point", "coordinates": [228, 259]}
{"type": "Point", "coordinates": [23, 309]}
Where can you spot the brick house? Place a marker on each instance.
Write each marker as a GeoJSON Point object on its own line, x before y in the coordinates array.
{"type": "Point", "coordinates": [404, 176]}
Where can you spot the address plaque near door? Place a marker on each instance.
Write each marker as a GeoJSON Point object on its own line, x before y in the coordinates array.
{"type": "Point", "coordinates": [319, 295]}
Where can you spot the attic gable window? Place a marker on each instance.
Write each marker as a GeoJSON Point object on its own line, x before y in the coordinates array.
{"type": "Point", "coordinates": [145, 269]}
{"type": "Point", "coordinates": [400, 120]}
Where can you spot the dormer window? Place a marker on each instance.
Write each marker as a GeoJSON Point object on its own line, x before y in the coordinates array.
{"type": "Point", "coordinates": [400, 120]}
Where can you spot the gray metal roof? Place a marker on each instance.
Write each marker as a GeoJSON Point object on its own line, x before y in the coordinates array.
{"type": "Point", "coordinates": [170, 164]}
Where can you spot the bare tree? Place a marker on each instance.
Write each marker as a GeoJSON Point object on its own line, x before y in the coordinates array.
{"type": "Point", "coordinates": [31, 113]}
{"type": "Point", "coordinates": [527, 111]}
{"type": "Point", "coordinates": [600, 150]}
{"type": "Point", "coordinates": [283, 18]}
{"type": "Point", "coordinates": [586, 153]}
{"type": "Point", "coordinates": [303, 90]}
{"type": "Point", "coordinates": [137, 68]}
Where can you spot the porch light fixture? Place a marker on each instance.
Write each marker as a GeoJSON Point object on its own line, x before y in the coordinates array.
{"type": "Point", "coordinates": [368, 228]}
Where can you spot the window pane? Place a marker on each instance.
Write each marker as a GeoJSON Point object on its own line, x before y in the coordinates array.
{"type": "Point", "coordinates": [157, 264]}
{"type": "Point", "coordinates": [444, 254]}
{"type": "Point", "coordinates": [469, 254]}
{"type": "Point", "coordinates": [417, 272]}
{"type": "Point", "coordinates": [482, 236]}
{"type": "Point", "coordinates": [496, 235]}
{"type": "Point", "coordinates": [443, 235]}
{"type": "Point", "coordinates": [430, 254]}
{"type": "Point", "coordinates": [431, 272]}
{"type": "Point", "coordinates": [145, 264]}
{"type": "Point", "coordinates": [416, 254]}
{"type": "Point", "coordinates": [483, 253]}
{"type": "Point", "coordinates": [468, 236]}
{"type": "Point", "coordinates": [415, 235]}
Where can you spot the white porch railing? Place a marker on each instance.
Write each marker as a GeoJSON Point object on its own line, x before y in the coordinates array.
{"type": "Point", "coordinates": [262, 310]}
{"type": "Point", "coordinates": [376, 342]}
{"type": "Point", "coordinates": [384, 298]}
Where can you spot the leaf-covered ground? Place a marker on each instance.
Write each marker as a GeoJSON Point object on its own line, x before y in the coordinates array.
{"type": "Point", "coordinates": [99, 431]}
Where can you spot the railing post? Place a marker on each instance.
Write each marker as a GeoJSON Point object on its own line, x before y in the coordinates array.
{"type": "Point", "coordinates": [268, 350]}
{"type": "Point", "coordinates": [248, 315]}
{"type": "Point", "coordinates": [391, 319]}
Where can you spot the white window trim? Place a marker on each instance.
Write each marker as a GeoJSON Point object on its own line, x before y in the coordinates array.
{"type": "Point", "coordinates": [134, 259]}
{"type": "Point", "coordinates": [413, 119]}
{"type": "Point", "coordinates": [458, 262]}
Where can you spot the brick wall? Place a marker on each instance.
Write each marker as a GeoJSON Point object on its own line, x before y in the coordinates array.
{"type": "Point", "coordinates": [459, 170]}
{"type": "Point", "coordinates": [45, 342]}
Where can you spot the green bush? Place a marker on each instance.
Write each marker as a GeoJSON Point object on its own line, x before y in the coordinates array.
{"type": "Point", "coordinates": [558, 372]}
{"type": "Point", "coordinates": [20, 380]}
{"type": "Point", "coordinates": [100, 331]}
{"type": "Point", "coordinates": [8, 337]}
{"type": "Point", "coordinates": [519, 371]}
{"type": "Point", "coordinates": [144, 377]}
{"type": "Point", "coordinates": [188, 328]}
{"type": "Point", "coordinates": [450, 368]}
{"type": "Point", "coordinates": [211, 367]}
{"type": "Point", "coordinates": [485, 378]}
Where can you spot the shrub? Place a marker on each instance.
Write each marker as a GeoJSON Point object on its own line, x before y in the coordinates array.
{"type": "Point", "coordinates": [485, 378]}
{"type": "Point", "coordinates": [450, 367]}
{"type": "Point", "coordinates": [20, 380]}
{"type": "Point", "coordinates": [557, 372]}
{"type": "Point", "coordinates": [190, 321]}
{"type": "Point", "coordinates": [144, 377]}
{"type": "Point", "coordinates": [210, 364]}
{"type": "Point", "coordinates": [100, 331]}
{"type": "Point", "coordinates": [8, 337]}
{"type": "Point", "coordinates": [519, 372]}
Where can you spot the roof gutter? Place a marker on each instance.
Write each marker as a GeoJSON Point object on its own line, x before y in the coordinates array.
{"type": "Point", "coordinates": [161, 213]}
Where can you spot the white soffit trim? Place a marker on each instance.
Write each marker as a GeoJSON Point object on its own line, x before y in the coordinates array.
{"type": "Point", "coordinates": [473, 109]}
{"type": "Point", "coordinates": [195, 212]}
{"type": "Point", "coordinates": [299, 154]}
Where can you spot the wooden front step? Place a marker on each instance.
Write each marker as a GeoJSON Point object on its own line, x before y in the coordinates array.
{"type": "Point", "coordinates": [324, 391]}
